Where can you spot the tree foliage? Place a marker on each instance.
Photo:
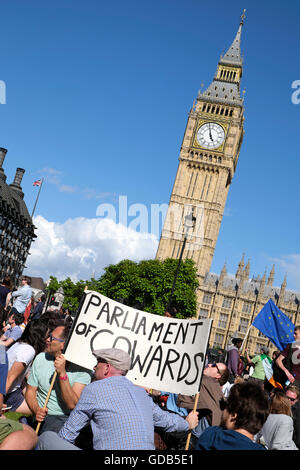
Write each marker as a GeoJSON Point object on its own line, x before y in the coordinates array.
{"type": "Point", "coordinates": [145, 285]}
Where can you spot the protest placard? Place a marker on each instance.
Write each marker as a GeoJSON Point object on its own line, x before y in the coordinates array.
{"type": "Point", "coordinates": [167, 354]}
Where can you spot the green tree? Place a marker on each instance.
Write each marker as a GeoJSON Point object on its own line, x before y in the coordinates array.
{"type": "Point", "coordinates": [145, 285]}
{"type": "Point", "coordinates": [72, 291]}
{"type": "Point", "coordinates": [149, 284]}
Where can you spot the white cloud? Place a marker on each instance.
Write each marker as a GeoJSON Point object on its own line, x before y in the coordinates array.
{"type": "Point", "coordinates": [54, 176]}
{"type": "Point", "coordinates": [64, 188]}
{"type": "Point", "coordinates": [80, 247]}
{"type": "Point", "coordinates": [290, 265]}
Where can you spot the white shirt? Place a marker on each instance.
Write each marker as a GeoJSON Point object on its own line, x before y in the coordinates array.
{"type": "Point", "coordinates": [20, 352]}
{"type": "Point", "coordinates": [22, 296]}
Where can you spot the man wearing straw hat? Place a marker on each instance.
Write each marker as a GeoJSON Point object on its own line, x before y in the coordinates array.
{"type": "Point", "coordinates": [122, 415]}
{"type": "Point", "coordinates": [52, 406]}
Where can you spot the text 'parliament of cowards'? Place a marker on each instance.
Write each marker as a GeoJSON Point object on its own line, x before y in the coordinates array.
{"type": "Point", "coordinates": [167, 354]}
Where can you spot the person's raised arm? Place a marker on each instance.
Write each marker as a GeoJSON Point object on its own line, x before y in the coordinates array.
{"type": "Point", "coordinates": [248, 358]}
{"type": "Point", "coordinates": [70, 394]}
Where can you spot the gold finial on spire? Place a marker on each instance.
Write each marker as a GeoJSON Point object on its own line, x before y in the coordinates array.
{"type": "Point", "coordinates": [243, 16]}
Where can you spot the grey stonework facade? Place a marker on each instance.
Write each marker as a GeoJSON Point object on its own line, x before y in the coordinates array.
{"type": "Point", "coordinates": [16, 227]}
{"type": "Point", "coordinates": [234, 301]}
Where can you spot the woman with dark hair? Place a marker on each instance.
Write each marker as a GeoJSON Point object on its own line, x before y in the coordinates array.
{"type": "Point", "coordinates": [20, 356]}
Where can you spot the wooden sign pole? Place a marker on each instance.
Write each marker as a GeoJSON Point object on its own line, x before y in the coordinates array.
{"type": "Point", "coordinates": [47, 398]}
{"type": "Point", "coordinates": [190, 431]}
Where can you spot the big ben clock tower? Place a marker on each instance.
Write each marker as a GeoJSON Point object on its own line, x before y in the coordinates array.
{"type": "Point", "coordinates": [207, 163]}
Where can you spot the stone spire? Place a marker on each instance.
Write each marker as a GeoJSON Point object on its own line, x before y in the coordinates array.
{"type": "Point", "coordinates": [271, 276]}
{"type": "Point", "coordinates": [225, 87]}
{"type": "Point", "coordinates": [233, 55]}
{"type": "Point", "coordinates": [16, 184]}
{"type": "Point", "coordinates": [240, 267]}
{"type": "Point", "coordinates": [282, 290]}
{"type": "Point", "coordinates": [223, 274]}
{"type": "Point", "coordinates": [2, 157]}
{"type": "Point", "coordinates": [247, 270]}
{"type": "Point", "coordinates": [262, 285]}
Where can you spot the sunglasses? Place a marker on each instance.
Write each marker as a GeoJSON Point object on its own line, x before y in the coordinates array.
{"type": "Point", "coordinates": [52, 338]}
{"type": "Point", "coordinates": [292, 399]}
{"type": "Point", "coordinates": [215, 365]}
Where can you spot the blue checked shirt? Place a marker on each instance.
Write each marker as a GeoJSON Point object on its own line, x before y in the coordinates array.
{"type": "Point", "coordinates": [122, 416]}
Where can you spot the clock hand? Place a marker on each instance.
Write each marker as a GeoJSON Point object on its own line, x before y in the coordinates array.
{"type": "Point", "coordinates": [210, 133]}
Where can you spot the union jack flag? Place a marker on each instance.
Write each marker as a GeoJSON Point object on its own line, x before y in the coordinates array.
{"type": "Point", "coordinates": [37, 183]}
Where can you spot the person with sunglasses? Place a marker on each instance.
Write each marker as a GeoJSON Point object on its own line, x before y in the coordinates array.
{"type": "Point", "coordinates": [122, 415]}
{"type": "Point", "coordinates": [215, 375]}
{"type": "Point", "coordinates": [68, 386]}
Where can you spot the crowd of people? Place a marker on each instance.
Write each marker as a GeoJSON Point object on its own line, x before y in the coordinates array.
{"type": "Point", "coordinates": [62, 406]}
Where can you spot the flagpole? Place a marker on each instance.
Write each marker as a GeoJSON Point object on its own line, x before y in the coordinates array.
{"type": "Point", "coordinates": [37, 197]}
{"type": "Point", "coordinates": [246, 335]}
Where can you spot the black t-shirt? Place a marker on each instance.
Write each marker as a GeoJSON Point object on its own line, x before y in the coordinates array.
{"type": "Point", "coordinates": [3, 294]}
{"type": "Point", "coordinates": [295, 359]}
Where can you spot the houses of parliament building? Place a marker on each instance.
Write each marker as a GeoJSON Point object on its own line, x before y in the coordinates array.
{"type": "Point", "coordinates": [207, 162]}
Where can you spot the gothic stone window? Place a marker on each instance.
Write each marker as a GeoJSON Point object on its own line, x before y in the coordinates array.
{"type": "Point", "coordinates": [218, 340]}
{"type": "Point", "coordinates": [203, 313]}
{"type": "Point", "coordinates": [223, 319]}
{"type": "Point", "coordinates": [207, 298]}
{"type": "Point", "coordinates": [247, 307]}
{"type": "Point", "coordinates": [243, 325]}
{"type": "Point", "coordinates": [226, 302]}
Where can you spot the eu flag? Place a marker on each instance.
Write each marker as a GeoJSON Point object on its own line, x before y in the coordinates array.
{"type": "Point", "coordinates": [275, 325]}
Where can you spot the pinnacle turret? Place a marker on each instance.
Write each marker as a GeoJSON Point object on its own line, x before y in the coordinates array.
{"type": "Point", "coordinates": [233, 55]}
{"type": "Point", "coordinates": [225, 87]}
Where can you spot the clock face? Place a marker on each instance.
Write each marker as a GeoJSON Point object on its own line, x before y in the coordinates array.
{"type": "Point", "coordinates": [210, 135]}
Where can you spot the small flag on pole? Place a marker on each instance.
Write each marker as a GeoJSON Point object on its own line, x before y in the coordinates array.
{"type": "Point", "coordinates": [40, 184]}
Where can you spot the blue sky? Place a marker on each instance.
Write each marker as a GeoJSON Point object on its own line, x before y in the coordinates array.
{"type": "Point", "coordinates": [97, 99]}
